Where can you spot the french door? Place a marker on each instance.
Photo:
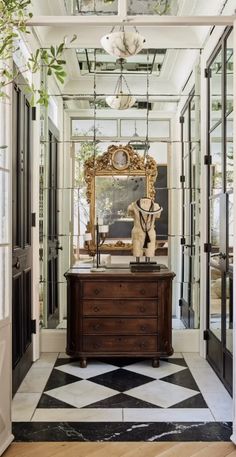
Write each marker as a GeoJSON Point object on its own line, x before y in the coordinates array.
{"type": "Point", "coordinates": [219, 247]}
{"type": "Point", "coordinates": [189, 179]}
{"type": "Point", "coordinates": [21, 237]}
{"type": "Point", "coordinates": [52, 238]}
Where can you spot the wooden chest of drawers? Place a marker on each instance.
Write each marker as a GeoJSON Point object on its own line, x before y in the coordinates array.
{"type": "Point", "coordinates": [119, 313]}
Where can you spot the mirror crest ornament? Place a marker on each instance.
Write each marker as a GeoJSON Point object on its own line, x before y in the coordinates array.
{"type": "Point", "coordinates": [117, 162]}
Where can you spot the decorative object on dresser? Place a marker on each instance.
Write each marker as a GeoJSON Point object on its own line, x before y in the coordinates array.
{"type": "Point", "coordinates": [119, 314]}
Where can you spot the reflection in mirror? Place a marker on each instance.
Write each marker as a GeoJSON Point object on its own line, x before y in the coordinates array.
{"type": "Point", "coordinates": [215, 301]}
{"type": "Point", "coordinates": [113, 195]}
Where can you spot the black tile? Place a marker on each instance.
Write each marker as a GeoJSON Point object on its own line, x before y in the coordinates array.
{"type": "Point", "coordinates": [118, 431]}
{"type": "Point", "coordinates": [46, 401]}
{"type": "Point", "coordinates": [177, 361]}
{"type": "Point", "coordinates": [65, 361]}
{"type": "Point", "coordinates": [183, 378]}
{"type": "Point", "coordinates": [121, 401]}
{"type": "Point", "coordinates": [121, 362]}
{"type": "Point", "coordinates": [58, 378]}
{"type": "Point", "coordinates": [121, 380]}
{"type": "Point", "coordinates": [197, 401]}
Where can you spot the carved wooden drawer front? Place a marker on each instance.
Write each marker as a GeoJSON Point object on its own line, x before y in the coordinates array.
{"type": "Point", "coordinates": [120, 307]}
{"type": "Point", "coordinates": [119, 343]}
{"type": "Point", "coordinates": [99, 289]}
{"type": "Point", "coordinates": [116, 325]}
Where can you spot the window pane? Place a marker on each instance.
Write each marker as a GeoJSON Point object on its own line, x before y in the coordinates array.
{"type": "Point", "coordinates": [169, 7]}
{"type": "Point", "coordinates": [138, 128]}
{"type": "Point", "coordinates": [216, 89]}
{"type": "Point", "coordinates": [85, 127]}
{"type": "Point", "coordinates": [88, 7]}
{"type": "Point", "coordinates": [215, 225]}
{"type": "Point", "coordinates": [229, 153]}
{"type": "Point", "coordinates": [215, 301]}
{"type": "Point", "coordinates": [216, 178]}
{"type": "Point", "coordinates": [230, 228]}
{"type": "Point", "coordinates": [229, 313]}
{"type": "Point", "coordinates": [229, 73]}
{"type": "Point", "coordinates": [4, 222]}
{"type": "Point", "coordinates": [3, 140]}
{"type": "Point", "coordinates": [4, 285]}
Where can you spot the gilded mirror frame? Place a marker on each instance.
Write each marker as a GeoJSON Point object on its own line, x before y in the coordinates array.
{"type": "Point", "coordinates": [104, 165]}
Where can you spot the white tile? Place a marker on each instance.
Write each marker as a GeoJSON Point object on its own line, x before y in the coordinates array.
{"type": "Point", "coordinates": [63, 355]}
{"type": "Point", "coordinates": [221, 405]}
{"type": "Point", "coordinates": [167, 415]}
{"type": "Point", "coordinates": [194, 360]}
{"type": "Point", "coordinates": [23, 406]}
{"type": "Point", "coordinates": [161, 393]}
{"type": "Point", "coordinates": [35, 380]}
{"type": "Point", "coordinates": [176, 355]}
{"type": "Point", "coordinates": [207, 380]}
{"type": "Point", "coordinates": [78, 415]}
{"type": "Point", "coordinates": [46, 360]}
{"type": "Point", "coordinates": [93, 368]}
{"type": "Point", "coordinates": [145, 368]}
{"type": "Point", "coordinates": [81, 393]}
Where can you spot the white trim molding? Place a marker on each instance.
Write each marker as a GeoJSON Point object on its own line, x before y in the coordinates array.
{"type": "Point", "coordinates": [139, 20]}
{"type": "Point", "coordinates": [183, 340]}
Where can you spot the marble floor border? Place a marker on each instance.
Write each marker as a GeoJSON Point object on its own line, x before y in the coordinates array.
{"type": "Point", "coordinates": [120, 431]}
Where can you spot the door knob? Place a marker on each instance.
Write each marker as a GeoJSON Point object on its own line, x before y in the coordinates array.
{"type": "Point", "coordinates": [17, 264]}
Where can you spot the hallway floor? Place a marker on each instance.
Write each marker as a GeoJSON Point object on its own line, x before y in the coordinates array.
{"type": "Point", "coordinates": [122, 400]}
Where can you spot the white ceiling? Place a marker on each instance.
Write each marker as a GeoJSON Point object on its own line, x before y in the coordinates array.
{"type": "Point", "coordinates": [183, 44]}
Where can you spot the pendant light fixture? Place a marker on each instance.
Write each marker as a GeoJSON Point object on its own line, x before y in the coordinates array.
{"type": "Point", "coordinates": [123, 43]}
{"type": "Point", "coordinates": [121, 100]}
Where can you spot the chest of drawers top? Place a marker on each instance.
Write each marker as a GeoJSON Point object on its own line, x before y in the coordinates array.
{"type": "Point", "coordinates": [118, 274]}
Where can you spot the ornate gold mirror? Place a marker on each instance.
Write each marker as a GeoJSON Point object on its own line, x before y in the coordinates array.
{"type": "Point", "coordinates": [114, 180]}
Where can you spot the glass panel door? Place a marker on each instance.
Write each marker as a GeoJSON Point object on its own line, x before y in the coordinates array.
{"type": "Point", "coordinates": [220, 210]}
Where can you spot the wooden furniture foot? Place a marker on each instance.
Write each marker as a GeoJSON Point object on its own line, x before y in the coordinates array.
{"type": "Point", "coordinates": [83, 363]}
{"type": "Point", "coordinates": [155, 363]}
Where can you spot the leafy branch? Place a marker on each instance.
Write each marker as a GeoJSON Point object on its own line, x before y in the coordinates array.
{"type": "Point", "coordinates": [14, 15]}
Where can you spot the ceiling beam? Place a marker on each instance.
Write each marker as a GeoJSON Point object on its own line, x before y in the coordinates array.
{"type": "Point", "coordinates": [151, 20]}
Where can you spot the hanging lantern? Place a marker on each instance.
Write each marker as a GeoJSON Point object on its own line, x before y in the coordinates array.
{"type": "Point", "coordinates": [122, 43]}
{"type": "Point", "coordinates": [121, 100]}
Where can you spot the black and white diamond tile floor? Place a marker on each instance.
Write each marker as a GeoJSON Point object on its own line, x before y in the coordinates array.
{"type": "Point", "coordinates": [184, 389]}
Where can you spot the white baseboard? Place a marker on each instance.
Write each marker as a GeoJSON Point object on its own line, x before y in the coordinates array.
{"type": "Point", "coordinates": [183, 340]}
{"type": "Point", "coordinates": [6, 444]}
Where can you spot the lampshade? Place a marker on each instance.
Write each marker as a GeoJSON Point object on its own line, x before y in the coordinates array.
{"type": "Point", "coordinates": [121, 100]}
{"type": "Point", "coordinates": [122, 43]}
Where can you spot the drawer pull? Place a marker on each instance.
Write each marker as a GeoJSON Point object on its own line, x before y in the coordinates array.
{"type": "Point", "coordinates": [142, 309]}
{"type": "Point", "coordinates": [96, 345]}
{"type": "Point", "coordinates": [96, 291]}
{"type": "Point", "coordinates": [96, 326]}
{"type": "Point", "coordinates": [142, 345]}
{"type": "Point", "coordinates": [142, 291]}
{"type": "Point", "coordinates": [143, 328]}
{"type": "Point", "coordinates": [96, 309]}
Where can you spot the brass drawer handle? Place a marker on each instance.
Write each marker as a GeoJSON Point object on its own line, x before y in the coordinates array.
{"type": "Point", "coordinates": [96, 309]}
{"type": "Point", "coordinates": [96, 291]}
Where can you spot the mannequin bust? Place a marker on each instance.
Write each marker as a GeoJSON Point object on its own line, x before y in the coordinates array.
{"type": "Point", "coordinates": [144, 212]}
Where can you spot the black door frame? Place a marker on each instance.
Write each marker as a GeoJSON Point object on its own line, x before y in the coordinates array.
{"type": "Point", "coordinates": [22, 324]}
{"type": "Point", "coordinates": [187, 311]}
{"type": "Point", "coordinates": [52, 235]}
{"type": "Point", "coordinates": [218, 356]}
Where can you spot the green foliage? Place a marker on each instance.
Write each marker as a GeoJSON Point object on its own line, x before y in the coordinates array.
{"type": "Point", "coordinates": [14, 15]}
